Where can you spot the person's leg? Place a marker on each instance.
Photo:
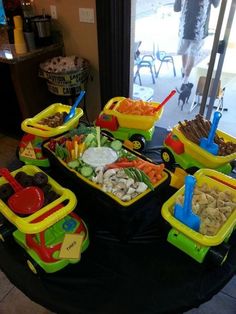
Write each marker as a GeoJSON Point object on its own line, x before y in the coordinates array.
{"type": "Point", "coordinates": [188, 63]}
{"type": "Point", "coordinates": [193, 52]}
{"type": "Point", "coordinates": [184, 62]}
{"type": "Point", "coordinates": [183, 51]}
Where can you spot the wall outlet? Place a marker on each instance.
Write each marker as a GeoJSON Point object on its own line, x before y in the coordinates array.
{"type": "Point", "coordinates": [86, 15]}
{"type": "Point", "coordinates": [53, 10]}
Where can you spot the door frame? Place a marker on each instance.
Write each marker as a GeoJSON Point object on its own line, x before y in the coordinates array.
{"type": "Point", "coordinates": [113, 29]}
{"type": "Point", "coordinates": [220, 47]}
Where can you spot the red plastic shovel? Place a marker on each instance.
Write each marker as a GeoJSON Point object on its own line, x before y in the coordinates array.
{"type": "Point", "coordinates": [171, 94]}
{"type": "Point", "coordinates": [24, 201]}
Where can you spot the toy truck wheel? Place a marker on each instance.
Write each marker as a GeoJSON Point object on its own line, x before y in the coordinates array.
{"type": "Point", "coordinates": [217, 255]}
{"type": "Point", "coordinates": [167, 157]}
{"type": "Point", "coordinates": [138, 142]}
{"type": "Point", "coordinates": [33, 266]}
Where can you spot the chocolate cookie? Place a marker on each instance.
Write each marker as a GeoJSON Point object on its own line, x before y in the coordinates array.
{"type": "Point", "coordinates": [20, 176]}
{"type": "Point", "coordinates": [50, 197]}
{"type": "Point", "coordinates": [40, 179]}
{"type": "Point", "coordinates": [46, 188]}
{"type": "Point", "coordinates": [26, 181]}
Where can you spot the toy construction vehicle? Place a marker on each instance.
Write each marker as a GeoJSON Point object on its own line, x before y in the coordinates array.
{"type": "Point", "coordinates": [37, 227]}
{"type": "Point", "coordinates": [179, 149]}
{"type": "Point", "coordinates": [129, 126]}
{"type": "Point", "coordinates": [39, 128]}
{"type": "Point", "coordinates": [201, 247]}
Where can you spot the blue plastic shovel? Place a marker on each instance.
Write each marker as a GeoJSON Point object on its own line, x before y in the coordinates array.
{"type": "Point", "coordinates": [208, 143]}
{"type": "Point", "coordinates": [73, 108]}
{"type": "Point", "coordinates": [184, 213]}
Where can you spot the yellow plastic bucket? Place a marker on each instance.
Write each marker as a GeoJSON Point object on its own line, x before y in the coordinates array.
{"type": "Point", "coordinates": [129, 120]}
{"type": "Point", "coordinates": [27, 224]}
{"type": "Point", "coordinates": [213, 179]}
{"type": "Point", "coordinates": [32, 125]}
{"type": "Point", "coordinates": [203, 156]}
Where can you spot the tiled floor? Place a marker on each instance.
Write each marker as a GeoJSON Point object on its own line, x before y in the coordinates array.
{"type": "Point", "coordinates": [13, 301]}
{"type": "Point", "coordinates": [223, 302]}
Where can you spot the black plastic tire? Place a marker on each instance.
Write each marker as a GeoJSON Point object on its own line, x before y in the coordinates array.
{"type": "Point", "coordinates": [168, 158]}
{"type": "Point", "coordinates": [217, 254]}
{"type": "Point", "coordinates": [138, 142]}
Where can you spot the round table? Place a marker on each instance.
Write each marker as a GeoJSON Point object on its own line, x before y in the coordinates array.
{"type": "Point", "coordinates": [143, 275]}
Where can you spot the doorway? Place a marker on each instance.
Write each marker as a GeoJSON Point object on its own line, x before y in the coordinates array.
{"type": "Point", "coordinates": [155, 24]}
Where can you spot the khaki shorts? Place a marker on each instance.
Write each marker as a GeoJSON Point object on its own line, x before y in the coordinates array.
{"type": "Point", "coordinates": [190, 47]}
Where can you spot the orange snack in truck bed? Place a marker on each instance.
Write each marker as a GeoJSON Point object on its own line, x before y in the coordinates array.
{"type": "Point", "coordinates": [136, 107]}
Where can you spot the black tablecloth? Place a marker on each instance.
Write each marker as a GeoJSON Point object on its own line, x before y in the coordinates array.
{"type": "Point", "coordinates": [114, 277]}
{"type": "Point", "coordinates": [144, 275]}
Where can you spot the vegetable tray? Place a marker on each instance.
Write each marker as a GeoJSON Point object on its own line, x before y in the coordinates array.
{"type": "Point", "coordinates": [94, 196]}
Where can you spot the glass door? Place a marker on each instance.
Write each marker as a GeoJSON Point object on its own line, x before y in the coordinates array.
{"type": "Point", "coordinates": [220, 85]}
{"type": "Point", "coordinates": [156, 26]}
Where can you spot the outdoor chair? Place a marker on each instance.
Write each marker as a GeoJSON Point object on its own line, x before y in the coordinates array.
{"type": "Point", "coordinates": [163, 57]}
{"type": "Point", "coordinates": [145, 61]}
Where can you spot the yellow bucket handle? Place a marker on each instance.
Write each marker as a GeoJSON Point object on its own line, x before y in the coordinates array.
{"type": "Point", "coordinates": [41, 130]}
{"type": "Point", "coordinates": [112, 101]}
{"type": "Point", "coordinates": [215, 174]}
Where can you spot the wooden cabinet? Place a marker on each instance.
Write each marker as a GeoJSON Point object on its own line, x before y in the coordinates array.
{"type": "Point", "coordinates": [31, 90]}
